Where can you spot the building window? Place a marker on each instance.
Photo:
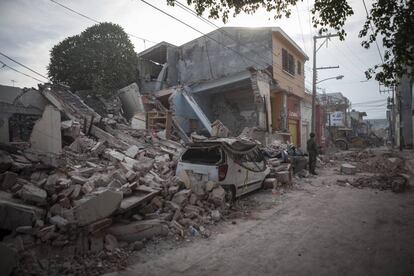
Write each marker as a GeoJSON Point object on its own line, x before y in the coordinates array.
{"type": "Point", "coordinates": [288, 63]}
{"type": "Point", "coordinates": [299, 68]}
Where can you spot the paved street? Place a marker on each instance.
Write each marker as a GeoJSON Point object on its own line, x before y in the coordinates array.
{"type": "Point", "coordinates": [319, 228]}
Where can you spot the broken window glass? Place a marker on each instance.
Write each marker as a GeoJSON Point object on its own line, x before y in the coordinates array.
{"type": "Point", "coordinates": [205, 155]}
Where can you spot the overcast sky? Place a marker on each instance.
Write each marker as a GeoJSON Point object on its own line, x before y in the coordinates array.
{"type": "Point", "coordinates": [30, 28]}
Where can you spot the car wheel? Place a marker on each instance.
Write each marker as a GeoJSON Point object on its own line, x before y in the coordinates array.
{"type": "Point", "coordinates": [341, 145]}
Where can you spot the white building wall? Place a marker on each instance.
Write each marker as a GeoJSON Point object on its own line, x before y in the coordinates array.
{"type": "Point", "coordinates": [305, 122]}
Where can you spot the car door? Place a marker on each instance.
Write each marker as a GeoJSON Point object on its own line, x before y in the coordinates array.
{"type": "Point", "coordinates": [256, 167]}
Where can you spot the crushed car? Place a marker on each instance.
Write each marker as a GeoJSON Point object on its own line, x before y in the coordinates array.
{"type": "Point", "coordinates": [236, 164]}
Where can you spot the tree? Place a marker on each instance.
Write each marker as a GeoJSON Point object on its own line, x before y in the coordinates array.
{"type": "Point", "coordinates": [101, 58]}
{"type": "Point", "coordinates": [389, 20]}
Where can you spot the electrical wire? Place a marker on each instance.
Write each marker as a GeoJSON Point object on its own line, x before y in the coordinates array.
{"type": "Point", "coordinates": [205, 20]}
{"type": "Point", "coordinates": [209, 22]}
{"type": "Point", "coordinates": [15, 61]}
{"type": "Point", "coordinates": [374, 101]}
{"type": "Point", "coordinates": [5, 65]}
{"type": "Point", "coordinates": [198, 31]}
{"type": "Point", "coordinates": [301, 29]}
{"type": "Point", "coordinates": [212, 24]}
{"type": "Point", "coordinates": [98, 22]}
{"type": "Point", "coordinates": [372, 29]}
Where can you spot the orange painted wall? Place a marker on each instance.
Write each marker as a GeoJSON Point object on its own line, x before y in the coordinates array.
{"type": "Point", "coordinates": [294, 84]}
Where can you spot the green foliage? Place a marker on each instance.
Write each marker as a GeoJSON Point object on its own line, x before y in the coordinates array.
{"type": "Point", "coordinates": [101, 58]}
{"type": "Point", "coordinates": [391, 20]}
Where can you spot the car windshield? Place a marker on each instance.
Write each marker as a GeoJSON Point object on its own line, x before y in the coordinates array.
{"type": "Point", "coordinates": [203, 155]}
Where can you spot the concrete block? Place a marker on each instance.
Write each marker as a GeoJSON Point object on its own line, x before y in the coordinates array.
{"type": "Point", "coordinates": [217, 196]}
{"type": "Point", "coordinates": [7, 180]}
{"type": "Point", "coordinates": [46, 135]}
{"type": "Point", "coordinates": [96, 206]}
{"type": "Point", "coordinates": [33, 194]}
{"type": "Point", "coordinates": [211, 185]}
{"type": "Point", "coordinates": [181, 197]}
{"type": "Point", "coordinates": [132, 151]}
{"type": "Point", "coordinates": [58, 221]}
{"type": "Point", "coordinates": [77, 179]}
{"type": "Point", "coordinates": [284, 177]}
{"type": "Point", "coordinates": [348, 169]}
{"type": "Point", "coordinates": [13, 214]}
{"type": "Point", "coordinates": [269, 183]}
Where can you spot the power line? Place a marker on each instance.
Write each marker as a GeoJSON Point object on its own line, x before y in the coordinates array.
{"type": "Point", "coordinates": [191, 27]}
{"type": "Point", "coordinates": [15, 61]}
{"type": "Point", "coordinates": [5, 65]}
{"type": "Point", "coordinates": [96, 21]}
{"type": "Point", "coordinates": [372, 29]}
{"type": "Point", "coordinates": [205, 20]}
{"type": "Point", "coordinates": [182, 6]}
{"type": "Point", "coordinates": [301, 29]}
{"type": "Point", "coordinates": [209, 22]}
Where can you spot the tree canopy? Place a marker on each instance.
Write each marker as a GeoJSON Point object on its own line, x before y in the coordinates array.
{"type": "Point", "coordinates": [101, 58]}
{"type": "Point", "coordinates": [391, 21]}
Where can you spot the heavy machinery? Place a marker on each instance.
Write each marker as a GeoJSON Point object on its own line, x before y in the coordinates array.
{"type": "Point", "coordinates": [344, 139]}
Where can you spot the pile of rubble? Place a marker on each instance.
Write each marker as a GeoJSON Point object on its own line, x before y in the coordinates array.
{"type": "Point", "coordinates": [397, 183]}
{"type": "Point", "coordinates": [108, 190]}
{"type": "Point", "coordinates": [391, 171]}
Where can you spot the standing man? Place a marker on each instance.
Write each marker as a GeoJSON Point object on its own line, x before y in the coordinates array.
{"type": "Point", "coordinates": [313, 153]}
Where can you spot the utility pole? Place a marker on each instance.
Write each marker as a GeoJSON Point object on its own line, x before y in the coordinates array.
{"type": "Point", "coordinates": [13, 81]}
{"type": "Point", "coordinates": [314, 79]}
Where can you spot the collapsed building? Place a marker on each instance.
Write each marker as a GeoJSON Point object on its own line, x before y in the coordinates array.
{"type": "Point", "coordinates": [243, 77]}
{"type": "Point", "coordinates": [83, 173]}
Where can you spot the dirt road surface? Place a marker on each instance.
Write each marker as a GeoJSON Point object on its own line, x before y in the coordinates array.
{"type": "Point", "coordinates": [317, 228]}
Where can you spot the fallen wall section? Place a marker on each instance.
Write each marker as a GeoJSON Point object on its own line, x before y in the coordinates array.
{"type": "Point", "coordinates": [46, 135]}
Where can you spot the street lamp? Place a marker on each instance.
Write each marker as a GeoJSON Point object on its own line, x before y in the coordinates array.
{"type": "Point", "coordinates": [337, 78]}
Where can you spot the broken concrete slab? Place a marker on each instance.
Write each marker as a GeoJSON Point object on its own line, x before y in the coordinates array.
{"type": "Point", "coordinates": [132, 151]}
{"type": "Point", "coordinates": [141, 196]}
{"type": "Point", "coordinates": [348, 169]}
{"type": "Point", "coordinates": [31, 193]}
{"type": "Point", "coordinates": [131, 100]}
{"type": "Point", "coordinates": [139, 120]}
{"type": "Point", "coordinates": [59, 221]}
{"type": "Point", "coordinates": [181, 197]}
{"type": "Point", "coordinates": [145, 164]}
{"type": "Point", "coordinates": [96, 206]}
{"type": "Point", "coordinates": [14, 214]}
{"type": "Point", "coordinates": [46, 135]}
{"type": "Point", "coordinates": [113, 155]}
{"type": "Point", "coordinates": [139, 230]}
{"type": "Point", "coordinates": [7, 180]}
